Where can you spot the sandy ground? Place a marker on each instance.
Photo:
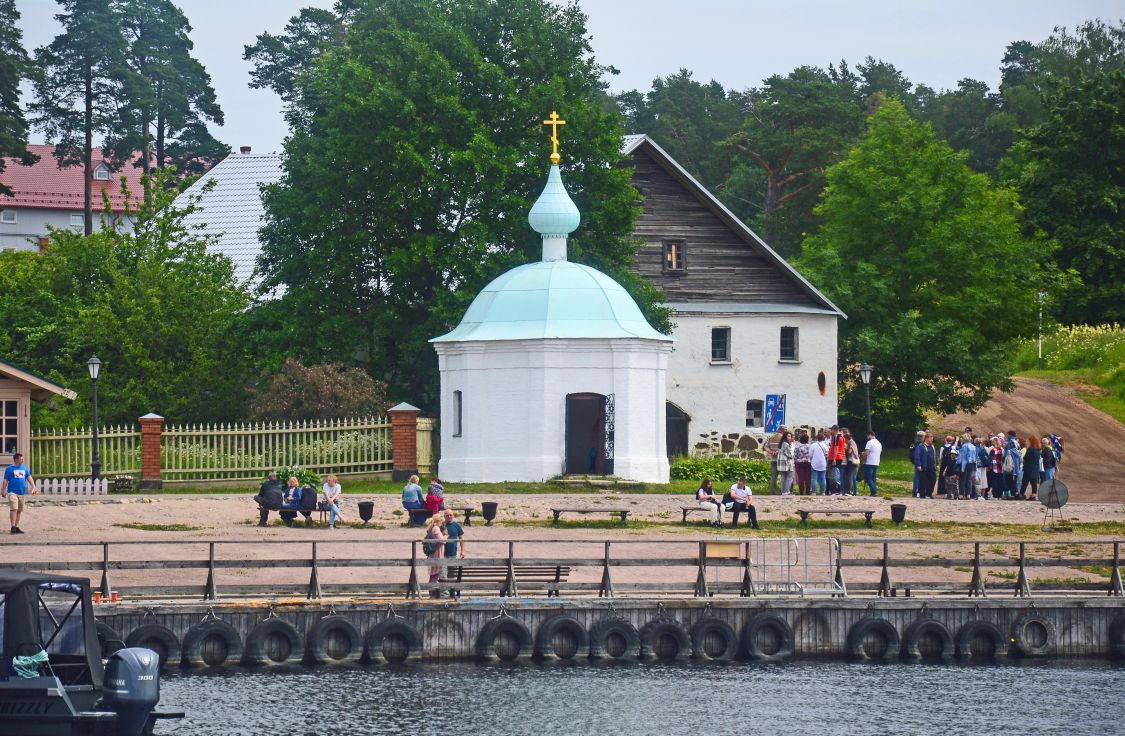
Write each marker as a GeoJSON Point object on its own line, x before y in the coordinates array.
{"type": "Point", "coordinates": [1093, 463]}
{"type": "Point", "coordinates": [231, 520]}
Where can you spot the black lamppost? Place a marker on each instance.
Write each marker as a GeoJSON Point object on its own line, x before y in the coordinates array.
{"type": "Point", "coordinates": [94, 365]}
{"type": "Point", "coordinates": [865, 376]}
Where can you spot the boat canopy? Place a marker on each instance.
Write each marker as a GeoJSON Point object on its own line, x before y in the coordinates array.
{"type": "Point", "coordinates": [52, 613]}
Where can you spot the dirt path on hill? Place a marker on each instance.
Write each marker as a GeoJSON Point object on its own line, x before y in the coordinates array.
{"type": "Point", "coordinates": [1094, 462]}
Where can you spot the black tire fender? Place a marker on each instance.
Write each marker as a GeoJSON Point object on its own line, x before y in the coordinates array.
{"type": "Point", "coordinates": [928, 626]}
{"type": "Point", "coordinates": [316, 641]}
{"type": "Point", "coordinates": [108, 638]}
{"type": "Point", "coordinates": [653, 630]}
{"type": "Point", "coordinates": [549, 628]}
{"type": "Point", "coordinates": [254, 652]}
{"type": "Point", "coordinates": [486, 640]}
{"type": "Point", "coordinates": [204, 630]}
{"type": "Point", "coordinates": [373, 642]}
{"type": "Point", "coordinates": [1022, 638]}
{"type": "Point", "coordinates": [972, 630]}
{"type": "Point", "coordinates": [859, 631]}
{"type": "Point", "coordinates": [607, 627]}
{"type": "Point", "coordinates": [769, 621]}
{"type": "Point", "coordinates": [167, 646]}
{"type": "Point", "coordinates": [712, 627]}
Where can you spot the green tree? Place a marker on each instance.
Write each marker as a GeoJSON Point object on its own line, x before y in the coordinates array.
{"type": "Point", "coordinates": [278, 60]}
{"type": "Point", "coordinates": [14, 66]}
{"type": "Point", "coordinates": [85, 88]}
{"type": "Point", "coordinates": [153, 303]}
{"type": "Point", "coordinates": [926, 258]}
{"type": "Point", "coordinates": [326, 391]}
{"type": "Point", "coordinates": [416, 149]}
{"type": "Point", "coordinates": [180, 100]}
{"type": "Point", "coordinates": [970, 119]}
{"type": "Point", "coordinates": [1070, 173]}
{"type": "Point", "coordinates": [794, 128]}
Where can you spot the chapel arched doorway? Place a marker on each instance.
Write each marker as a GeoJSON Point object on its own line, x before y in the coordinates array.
{"type": "Point", "coordinates": [676, 422]}
{"type": "Point", "coordinates": [589, 434]}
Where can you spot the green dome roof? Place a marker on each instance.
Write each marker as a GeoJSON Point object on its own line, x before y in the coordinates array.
{"type": "Point", "coordinates": [552, 299]}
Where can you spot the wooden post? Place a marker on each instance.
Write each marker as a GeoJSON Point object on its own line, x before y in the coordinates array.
{"type": "Point", "coordinates": [413, 590]}
{"type": "Point", "coordinates": [606, 591]}
{"type": "Point", "coordinates": [976, 587]}
{"type": "Point", "coordinates": [839, 579]}
{"type": "Point", "coordinates": [1023, 589]}
{"type": "Point", "coordinates": [404, 441]}
{"type": "Point", "coordinates": [701, 575]}
{"type": "Point", "coordinates": [747, 579]}
{"type": "Point", "coordinates": [106, 590]}
{"type": "Point", "coordinates": [509, 588]}
{"type": "Point", "coordinates": [885, 577]}
{"type": "Point", "coordinates": [1115, 588]}
{"type": "Point", "coordinates": [151, 429]}
{"type": "Point", "coordinates": [314, 578]}
{"type": "Point", "coordinates": [209, 591]}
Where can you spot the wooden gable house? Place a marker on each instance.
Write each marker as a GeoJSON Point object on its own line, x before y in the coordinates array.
{"type": "Point", "coordinates": [755, 341]}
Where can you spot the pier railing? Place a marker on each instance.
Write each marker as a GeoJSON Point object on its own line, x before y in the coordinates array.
{"type": "Point", "coordinates": [554, 567]}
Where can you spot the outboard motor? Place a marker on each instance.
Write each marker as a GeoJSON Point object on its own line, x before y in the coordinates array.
{"type": "Point", "coordinates": [132, 688]}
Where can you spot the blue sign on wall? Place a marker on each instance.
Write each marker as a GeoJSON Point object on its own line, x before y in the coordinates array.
{"type": "Point", "coordinates": [775, 412]}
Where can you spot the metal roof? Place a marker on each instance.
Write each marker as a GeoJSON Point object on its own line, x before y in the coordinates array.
{"type": "Point", "coordinates": [233, 208]}
{"type": "Point", "coordinates": [745, 308]}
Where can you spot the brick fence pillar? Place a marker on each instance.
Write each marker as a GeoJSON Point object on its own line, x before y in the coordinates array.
{"type": "Point", "coordinates": [404, 440]}
{"type": "Point", "coordinates": [152, 426]}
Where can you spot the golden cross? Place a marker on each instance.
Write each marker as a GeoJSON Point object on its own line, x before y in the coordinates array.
{"type": "Point", "coordinates": [554, 122]}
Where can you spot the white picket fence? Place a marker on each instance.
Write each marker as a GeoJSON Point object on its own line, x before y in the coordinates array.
{"type": "Point", "coordinates": [73, 486]}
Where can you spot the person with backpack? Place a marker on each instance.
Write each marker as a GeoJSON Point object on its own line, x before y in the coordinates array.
{"type": "Point", "coordinates": [837, 459]}
{"type": "Point", "coordinates": [818, 463]}
{"type": "Point", "coordinates": [919, 437]}
{"type": "Point", "coordinates": [925, 465]}
{"type": "Point", "coordinates": [996, 469]}
{"type": "Point", "coordinates": [968, 462]}
{"type": "Point", "coordinates": [1013, 465]}
{"type": "Point", "coordinates": [1031, 458]}
{"type": "Point", "coordinates": [1050, 460]}
{"type": "Point", "coordinates": [851, 470]}
{"type": "Point", "coordinates": [432, 547]}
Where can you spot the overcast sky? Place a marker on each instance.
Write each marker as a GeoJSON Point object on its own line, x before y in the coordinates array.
{"type": "Point", "coordinates": [736, 42]}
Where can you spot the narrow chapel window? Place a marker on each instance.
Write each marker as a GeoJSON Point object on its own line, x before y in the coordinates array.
{"type": "Point", "coordinates": [720, 344]}
{"type": "Point", "coordinates": [675, 256]}
{"type": "Point", "coordinates": [456, 413]}
{"type": "Point", "coordinates": [789, 343]}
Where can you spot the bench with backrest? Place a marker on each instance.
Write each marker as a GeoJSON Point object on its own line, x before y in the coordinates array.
{"type": "Point", "coordinates": [419, 516]}
{"type": "Point", "coordinates": [538, 576]}
{"type": "Point", "coordinates": [623, 513]}
{"type": "Point", "coordinates": [693, 509]}
{"type": "Point", "coordinates": [805, 513]}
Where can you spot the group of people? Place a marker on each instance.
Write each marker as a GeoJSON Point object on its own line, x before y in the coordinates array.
{"type": "Point", "coordinates": [738, 500]}
{"type": "Point", "coordinates": [828, 464]}
{"type": "Point", "coordinates": [272, 496]}
{"type": "Point", "coordinates": [997, 466]}
{"type": "Point", "coordinates": [444, 539]}
{"type": "Point", "coordinates": [413, 500]}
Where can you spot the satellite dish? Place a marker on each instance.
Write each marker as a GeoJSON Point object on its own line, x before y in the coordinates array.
{"type": "Point", "coordinates": [1053, 495]}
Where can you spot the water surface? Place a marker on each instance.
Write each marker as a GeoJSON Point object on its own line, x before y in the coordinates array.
{"type": "Point", "coordinates": [1066, 697]}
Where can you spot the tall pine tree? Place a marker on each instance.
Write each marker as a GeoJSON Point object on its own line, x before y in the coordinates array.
{"type": "Point", "coordinates": [181, 100]}
{"type": "Point", "coordinates": [86, 88]}
{"type": "Point", "coordinates": [14, 66]}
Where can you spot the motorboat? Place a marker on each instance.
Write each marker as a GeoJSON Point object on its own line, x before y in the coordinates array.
{"type": "Point", "coordinates": [53, 680]}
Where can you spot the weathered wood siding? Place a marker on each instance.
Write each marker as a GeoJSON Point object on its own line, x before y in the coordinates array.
{"type": "Point", "coordinates": [721, 266]}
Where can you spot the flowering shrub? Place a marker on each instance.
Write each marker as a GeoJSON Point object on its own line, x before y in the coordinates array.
{"type": "Point", "coordinates": [1077, 346]}
{"type": "Point", "coordinates": [304, 476]}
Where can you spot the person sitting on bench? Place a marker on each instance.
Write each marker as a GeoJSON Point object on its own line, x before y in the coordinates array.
{"type": "Point", "coordinates": [742, 499]}
{"type": "Point", "coordinates": [412, 500]}
{"type": "Point", "coordinates": [270, 497]}
{"type": "Point", "coordinates": [292, 494]}
{"type": "Point", "coordinates": [709, 502]}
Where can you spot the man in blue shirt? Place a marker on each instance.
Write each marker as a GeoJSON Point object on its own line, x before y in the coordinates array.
{"type": "Point", "coordinates": [17, 479]}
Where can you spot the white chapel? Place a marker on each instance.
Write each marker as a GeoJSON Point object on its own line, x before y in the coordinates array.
{"type": "Point", "coordinates": [553, 369]}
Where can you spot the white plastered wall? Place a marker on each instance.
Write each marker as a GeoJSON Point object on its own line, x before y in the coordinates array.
{"type": "Point", "coordinates": [513, 411]}
{"type": "Point", "coordinates": [715, 395]}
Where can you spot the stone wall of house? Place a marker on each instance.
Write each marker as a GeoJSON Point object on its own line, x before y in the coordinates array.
{"type": "Point", "coordinates": [744, 445]}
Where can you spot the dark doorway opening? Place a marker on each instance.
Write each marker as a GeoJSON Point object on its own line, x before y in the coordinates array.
{"type": "Point", "coordinates": [676, 430]}
{"type": "Point", "coordinates": [589, 434]}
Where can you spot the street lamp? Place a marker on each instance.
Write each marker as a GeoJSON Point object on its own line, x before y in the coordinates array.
{"type": "Point", "coordinates": [865, 376]}
{"type": "Point", "coordinates": [94, 365]}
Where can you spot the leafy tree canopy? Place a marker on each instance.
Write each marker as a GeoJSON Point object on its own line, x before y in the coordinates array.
{"type": "Point", "coordinates": [326, 391]}
{"type": "Point", "coordinates": [153, 303]}
{"type": "Point", "coordinates": [416, 150]}
{"type": "Point", "coordinates": [926, 258]}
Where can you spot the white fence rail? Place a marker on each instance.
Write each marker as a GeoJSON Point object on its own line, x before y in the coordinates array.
{"type": "Point", "coordinates": [73, 486]}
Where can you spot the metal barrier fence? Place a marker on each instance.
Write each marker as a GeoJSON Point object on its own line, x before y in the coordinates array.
{"type": "Point", "coordinates": [699, 568]}
{"type": "Point", "coordinates": [66, 453]}
{"type": "Point", "coordinates": [248, 451]}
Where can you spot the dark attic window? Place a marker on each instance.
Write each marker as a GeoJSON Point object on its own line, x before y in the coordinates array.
{"type": "Point", "coordinates": [675, 256]}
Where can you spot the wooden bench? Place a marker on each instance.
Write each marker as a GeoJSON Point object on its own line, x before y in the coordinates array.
{"type": "Point", "coordinates": [805, 513]}
{"type": "Point", "coordinates": [623, 513]}
{"type": "Point", "coordinates": [416, 514]}
{"type": "Point", "coordinates": [693, 509]}
{"type": "Point", "coordinates": [548, 576]}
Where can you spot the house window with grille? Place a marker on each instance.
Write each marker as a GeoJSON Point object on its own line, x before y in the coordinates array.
{"type": "Point", "coordinates": [720, 345]}
{"type": "Point", "coordinates": [789, 344]}
{"type": "Point", "coordinates": [9, 426]}
{"type": "Point", "coordinates": [675, 256]}
{"type": "Point", "coordinates": [77, 220]}
{"type": "Point", "coordinates": [8, 217]}
{"type": "Point", "coordinates": [754, 410]}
